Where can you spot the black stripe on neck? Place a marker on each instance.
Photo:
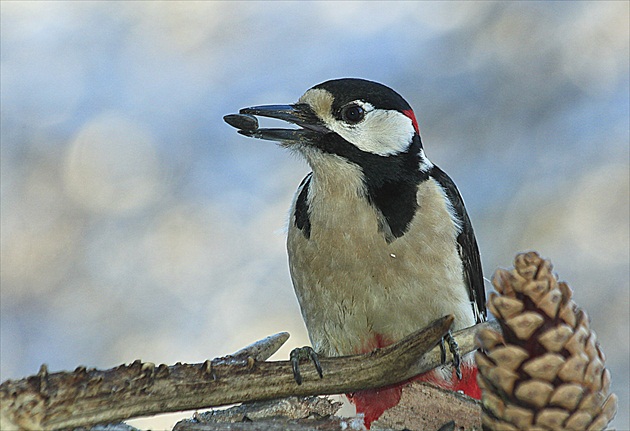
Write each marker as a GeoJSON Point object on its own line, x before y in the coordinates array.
{"type": "Point", "coordinates": [391, 181]}
{"type": "Point", "coordinates": [302, 220]}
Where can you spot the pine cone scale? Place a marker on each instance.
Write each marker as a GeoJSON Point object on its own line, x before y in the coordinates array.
{"type": "Point", "coordinates": [546, 371]}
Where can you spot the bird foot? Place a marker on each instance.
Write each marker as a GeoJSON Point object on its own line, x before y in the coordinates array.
{"type": "Point", "coordinates": [299, 354]}
{"type": "Point", "coordinates": [454, 349]}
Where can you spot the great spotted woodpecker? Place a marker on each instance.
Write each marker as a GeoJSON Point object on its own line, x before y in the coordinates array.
{"type": "Point", "coordinates": [379, 241]}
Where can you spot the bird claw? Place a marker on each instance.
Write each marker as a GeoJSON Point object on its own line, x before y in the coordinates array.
{"type": "Point", "coordinates": [454, 349]}
{"type": "Point", "coordinates": [300, 353]}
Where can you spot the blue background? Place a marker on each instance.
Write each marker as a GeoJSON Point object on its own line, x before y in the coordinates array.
{"type": "Point", "coordinates": [136, 224]}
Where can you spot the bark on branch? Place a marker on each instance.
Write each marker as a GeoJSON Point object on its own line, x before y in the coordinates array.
{"type": "Point", "coordinates": [88, 396]}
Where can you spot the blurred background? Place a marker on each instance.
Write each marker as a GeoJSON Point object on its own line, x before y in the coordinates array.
{"type": "Point", "coordinates": [137, 224]}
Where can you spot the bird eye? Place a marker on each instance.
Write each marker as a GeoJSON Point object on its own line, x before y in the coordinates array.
{"type": "Point", "coordinates": [352, 114]}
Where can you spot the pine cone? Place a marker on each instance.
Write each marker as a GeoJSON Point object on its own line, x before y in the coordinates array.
{"type": "Point", "coordinates": [546, 372]}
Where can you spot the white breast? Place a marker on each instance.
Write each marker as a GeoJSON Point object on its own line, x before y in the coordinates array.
{"type": "Point", "coordinates": [357, 291]}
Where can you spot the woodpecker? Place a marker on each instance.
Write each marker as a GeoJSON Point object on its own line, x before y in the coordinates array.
{"type": "Point", "coordinates": [379, 241]}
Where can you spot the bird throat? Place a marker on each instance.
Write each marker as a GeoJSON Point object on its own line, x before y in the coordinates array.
{"type": "Point", "coordinates": [339, 185]}
{"type": "Point", "coordinates": [392, 206]}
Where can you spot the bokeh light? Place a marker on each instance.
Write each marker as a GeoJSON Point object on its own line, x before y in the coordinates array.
{"type": "Point", "coordinates": [136, 224]}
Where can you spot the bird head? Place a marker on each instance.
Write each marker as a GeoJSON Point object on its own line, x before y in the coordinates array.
{"type": "Point", "coordinates": [359, 121]}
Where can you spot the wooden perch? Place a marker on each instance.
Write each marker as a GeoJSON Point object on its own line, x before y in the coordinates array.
{"type": "Point", "coordinates": [87, 397]}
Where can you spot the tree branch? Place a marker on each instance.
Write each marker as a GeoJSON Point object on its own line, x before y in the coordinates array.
{"type": "Point", "coordinates": [89, 396]}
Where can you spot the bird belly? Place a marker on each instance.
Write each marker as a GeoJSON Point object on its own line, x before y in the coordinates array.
{"type": "Point", "coordinates": [358, 292]}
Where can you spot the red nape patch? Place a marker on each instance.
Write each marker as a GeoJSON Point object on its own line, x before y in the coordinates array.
{"type": "Point", "coordinates": [409, 113]}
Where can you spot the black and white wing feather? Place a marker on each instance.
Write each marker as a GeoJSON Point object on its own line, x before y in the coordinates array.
{"type": "Point", "coordinates": [467, 246]}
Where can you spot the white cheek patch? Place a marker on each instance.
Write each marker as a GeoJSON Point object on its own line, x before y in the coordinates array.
{"type": "Point", "coordinates": [382, 132]}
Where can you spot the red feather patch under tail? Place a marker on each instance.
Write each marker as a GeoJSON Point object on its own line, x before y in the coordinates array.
{"type": "Point", "coordinates": [373, 402]}
{"type": "Point", "coordinates": [468, 383]}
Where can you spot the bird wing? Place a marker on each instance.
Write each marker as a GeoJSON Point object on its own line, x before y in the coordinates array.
{"type": "Point", "coordinates": [467, 246]}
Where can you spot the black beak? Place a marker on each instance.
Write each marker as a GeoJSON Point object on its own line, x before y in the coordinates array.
{"type": "Point", "coordinates": [310, 126]}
